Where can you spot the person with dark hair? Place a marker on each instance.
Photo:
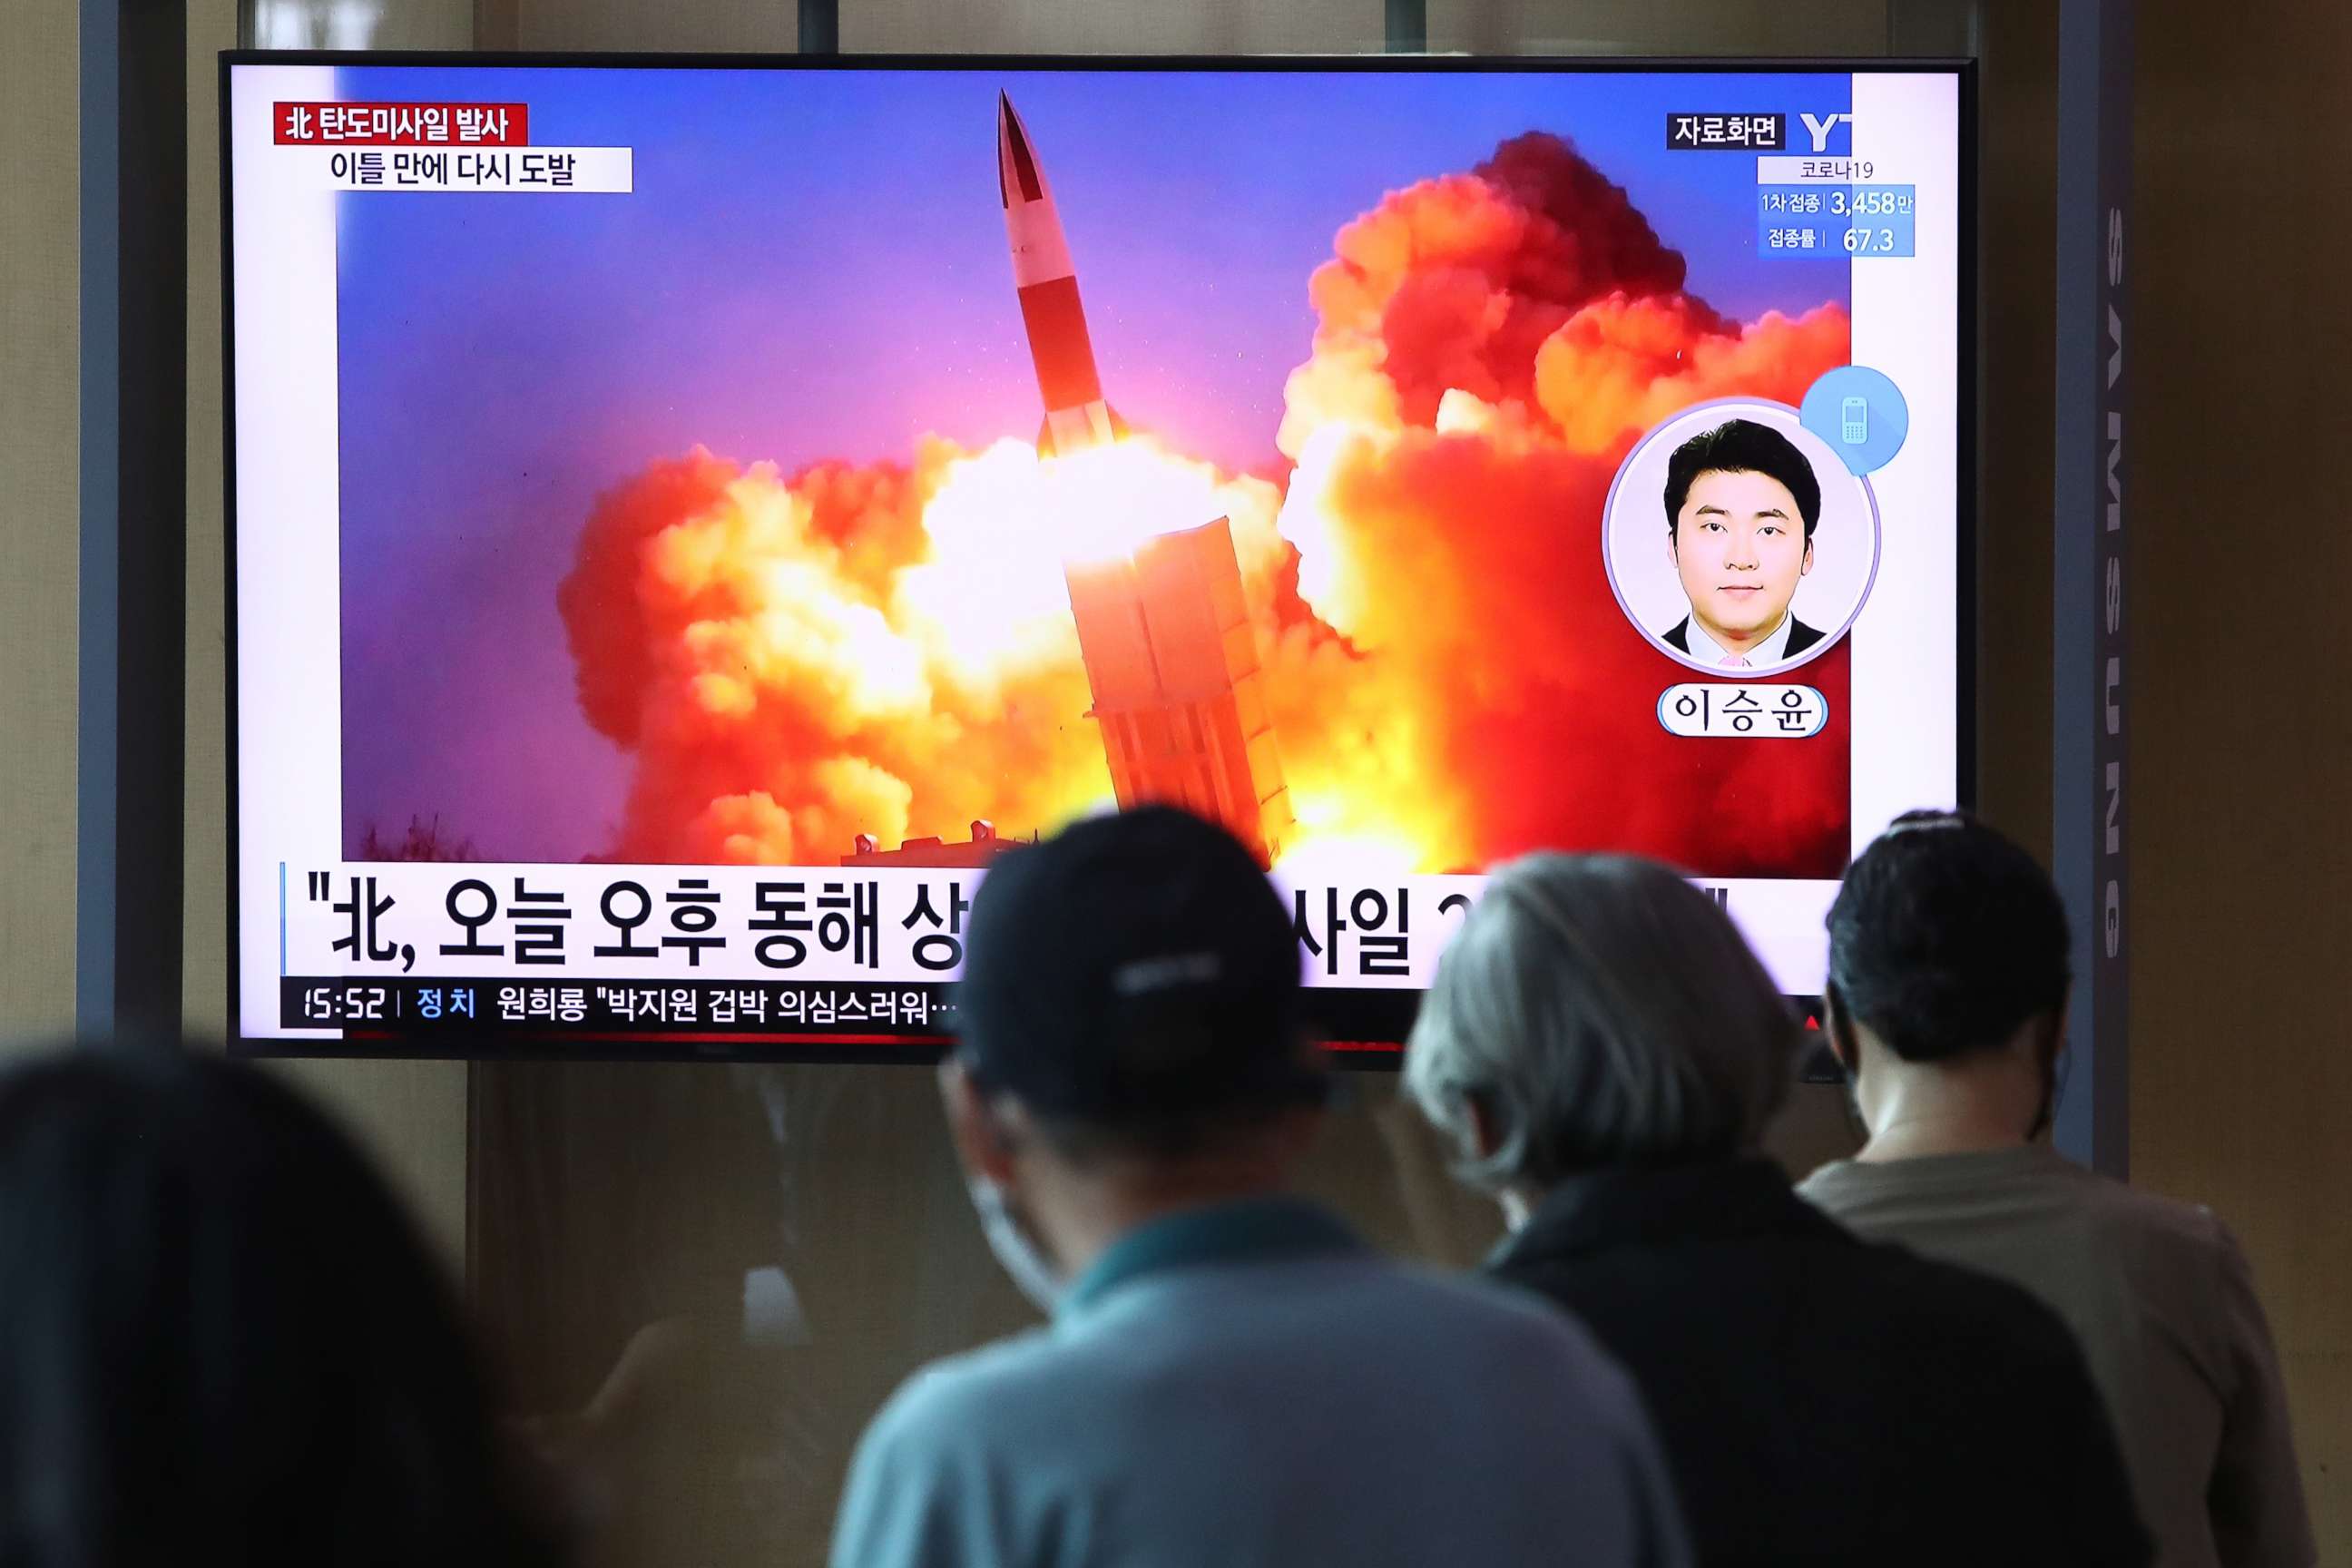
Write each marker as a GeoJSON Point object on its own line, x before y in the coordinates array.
{"type": "Point", "coordinates": [1231, 1377]}
{"type": "Point", "coordinates": [1603, 1052]}
{"type": "Point", "coordinates": [1946, 1005]}
{"type": "Point", "coordinates": [1741, 506]}
{"type": "Point", "coordinates": [222, 1341]}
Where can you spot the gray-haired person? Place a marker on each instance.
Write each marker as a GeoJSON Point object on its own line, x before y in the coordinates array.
{"type": "Point", "coordinates": [1605, 1052]}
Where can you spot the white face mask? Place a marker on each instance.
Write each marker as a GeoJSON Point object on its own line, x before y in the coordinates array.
{"type": "Point", "coordinates": [1016, 1251]}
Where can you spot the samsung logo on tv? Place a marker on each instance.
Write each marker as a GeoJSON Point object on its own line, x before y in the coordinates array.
{"type": "Point", "coordinates": [2112, 624]}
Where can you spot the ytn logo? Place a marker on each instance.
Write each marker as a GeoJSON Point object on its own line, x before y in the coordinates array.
{"type": "Point", "coordinates": [1820, 126]}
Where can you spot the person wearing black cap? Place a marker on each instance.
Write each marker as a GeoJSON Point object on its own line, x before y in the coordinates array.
{"type": "Point", "coordinates": [1230, 1377]}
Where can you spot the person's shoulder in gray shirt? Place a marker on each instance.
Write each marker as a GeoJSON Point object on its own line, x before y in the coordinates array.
{"type": "Point", "coordinates": [2163, 1301]}
{"type": "Point", "coordinates": [1950, 965]}
{"type": "Point", "coordinates": [1316, 1405]}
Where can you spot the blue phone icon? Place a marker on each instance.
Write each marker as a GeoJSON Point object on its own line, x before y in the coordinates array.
{"type": "Point", "coordinates": [1859, 414]}
{"type": "Point", "coordinates": [1853, 420]}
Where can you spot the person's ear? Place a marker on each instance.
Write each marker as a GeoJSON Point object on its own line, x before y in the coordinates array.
{"type": "Point", "coordinates": [979, 1141]}
{"type": "Point", "coordinates": [1486, 1127]}
{"type": "Point", "coordinates": [1808, 563]}
{"type": "Point", "coordinates": [2046, 1048]}
{"type": "Point", "coordinates": [1839, 1031]}
{"type": "Point", "coordinates": [1674, 551]}
{"type": "Point", "coordinates": [2053, 1044]}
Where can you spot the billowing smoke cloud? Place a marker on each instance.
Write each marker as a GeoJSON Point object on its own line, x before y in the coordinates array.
{"type": "Point", "coordinates": [888, 649]}
{"type": "Point", "coordinates": [743, 635]}
{"type": "Point", "coordinates": [1490, 347]}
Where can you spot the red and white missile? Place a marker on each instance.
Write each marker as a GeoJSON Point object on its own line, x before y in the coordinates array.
{"type": "Point", "coordinates": [1075, 415]}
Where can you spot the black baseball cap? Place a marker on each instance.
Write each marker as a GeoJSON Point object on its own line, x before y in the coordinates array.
{"type": "Point", "coordinates": [1133, 968]}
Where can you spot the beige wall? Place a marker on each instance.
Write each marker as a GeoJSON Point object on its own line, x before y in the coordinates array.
{"type": "Point", "coordinates": [2241, 1058]}
{"type": "Point", "coordinates": [2017, 320]}
{"type": "Point", "coordinates": [944, 27]}
{"type": "Point", "coordinates": [1207, 27]}
{"type": "Point", "coordinates": [2241, 761]}
{"type": "Point", "coordinates": [1846, 28]}
{"type": "Point", "coordinates": [1087, 26]}
{"type": "Point", "coordinates": [203, 981]}
{"type": "Point", "coordinates": [40, 519]}
{"type": "Point", "coordinates": [411, 1115]}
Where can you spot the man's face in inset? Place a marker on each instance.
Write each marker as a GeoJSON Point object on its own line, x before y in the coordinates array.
{"type": "Point", "coordinates": [1739, 546]}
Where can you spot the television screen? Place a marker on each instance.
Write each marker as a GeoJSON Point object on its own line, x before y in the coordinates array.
{"type": "Point", "coordinates": [687, 518]}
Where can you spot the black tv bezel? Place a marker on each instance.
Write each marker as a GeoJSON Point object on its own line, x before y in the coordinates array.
{"type": "Point", "coordinates": [1373, 1024]}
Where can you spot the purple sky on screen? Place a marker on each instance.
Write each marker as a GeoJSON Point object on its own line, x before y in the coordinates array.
{"type": "Point", "coordinates": [812, 266]}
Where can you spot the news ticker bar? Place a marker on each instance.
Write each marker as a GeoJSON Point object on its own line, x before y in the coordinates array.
{"type": "Point", "coordinates": [415, 1005]}
{"type": "Point", "coordinates": [497, 1016]}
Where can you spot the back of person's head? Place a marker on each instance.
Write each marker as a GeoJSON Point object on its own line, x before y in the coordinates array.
{"type": "Point", "coordinates": [221, 1340]}
{"type": "Point", "coordinates": [1947, 939]}
{"type": "Point", "coordinates": [1598, 1010]}
{"type": "Point", "coordinates": [1133, 983]}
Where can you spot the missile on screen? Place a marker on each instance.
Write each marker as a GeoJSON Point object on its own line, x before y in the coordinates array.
{"type": "Point", "coordinates": [1077, 417]}
{"type": "Point", "coordinates": [1163, 631]}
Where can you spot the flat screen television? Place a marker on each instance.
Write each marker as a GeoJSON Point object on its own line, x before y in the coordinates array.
{"type": "Point", "coordinates": [688, 516]}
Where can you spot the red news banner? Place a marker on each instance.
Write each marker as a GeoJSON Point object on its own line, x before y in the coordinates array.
{"type": "Point", "coordinates": [402, 125]}
{"type": "Point", "coordinates": [439, 147]}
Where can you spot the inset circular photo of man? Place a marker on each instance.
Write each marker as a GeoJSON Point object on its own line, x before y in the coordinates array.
{"type": "Point", "coordinates": [1738, 542]}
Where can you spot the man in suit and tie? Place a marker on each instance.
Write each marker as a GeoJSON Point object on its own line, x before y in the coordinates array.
{"type": "Point", "coordinates": [1741, 503]}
